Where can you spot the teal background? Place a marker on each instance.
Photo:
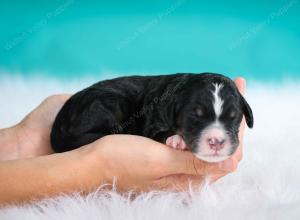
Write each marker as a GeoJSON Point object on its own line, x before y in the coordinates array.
{"type": "Point", "coordinates": [73, 38]}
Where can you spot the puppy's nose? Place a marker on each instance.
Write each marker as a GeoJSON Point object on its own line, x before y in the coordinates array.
{"type": "Point", "coordinates": [216, 143]}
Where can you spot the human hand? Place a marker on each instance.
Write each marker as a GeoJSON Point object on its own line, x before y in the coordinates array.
{"type": "Point", "coordinates": [33, 132]}
{"type": "Point", "coordinates": [141, 164]}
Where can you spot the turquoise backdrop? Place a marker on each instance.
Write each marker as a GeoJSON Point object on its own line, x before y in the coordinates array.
{"type": "Point", "coordinates": [75, 38]}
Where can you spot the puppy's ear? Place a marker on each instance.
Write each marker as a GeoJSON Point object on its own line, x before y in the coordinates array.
{"type": "Point", "coordinates": [247, 111]}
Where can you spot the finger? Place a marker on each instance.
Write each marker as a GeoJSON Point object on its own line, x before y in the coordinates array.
{"type": "Point", "coordinates": [185, 162]}
{"type": "Point", "coordinates": [179, 183]}
{"type": "Point", "coordinates": [215, 177]}
{"type": "Point", "coordinates": [240, 82]}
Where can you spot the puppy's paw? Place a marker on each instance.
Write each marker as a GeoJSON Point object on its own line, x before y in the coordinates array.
{"type": "Point", "coordinates": [176, 142]}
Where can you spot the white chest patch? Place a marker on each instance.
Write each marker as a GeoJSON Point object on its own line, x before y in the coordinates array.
{"type": "Point", "coordinates": [217, 101]}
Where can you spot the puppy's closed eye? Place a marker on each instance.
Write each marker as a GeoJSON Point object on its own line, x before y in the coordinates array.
{"type": "Point", "coordinates": [199, 111]}
{"type": "Point", "coordinates": [232, 114]}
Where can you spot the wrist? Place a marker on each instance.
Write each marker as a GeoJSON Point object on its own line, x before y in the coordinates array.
{"type": "Point", "coordinates": [86, 168]}
{"type": "Point", "coordinates": [93, 156]}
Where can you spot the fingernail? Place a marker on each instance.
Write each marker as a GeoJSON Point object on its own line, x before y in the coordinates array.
{"type": "Point", "coordinates": [226, 165]}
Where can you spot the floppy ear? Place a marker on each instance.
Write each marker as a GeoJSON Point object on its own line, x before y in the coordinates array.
{"type": "Point", "coordinates": [247, 112]}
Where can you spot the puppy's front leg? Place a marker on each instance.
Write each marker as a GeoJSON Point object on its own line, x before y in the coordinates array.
{"type": "Point", "coordinates": [176, 142]}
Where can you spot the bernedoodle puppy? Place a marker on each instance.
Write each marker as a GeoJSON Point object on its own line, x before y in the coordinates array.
{"type": "Point", "coordinates": [198, 112]}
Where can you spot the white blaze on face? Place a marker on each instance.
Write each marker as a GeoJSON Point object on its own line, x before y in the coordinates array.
{"type": "Point", "coordinates": [214, 143]}
{"type": "Point", "coordinates": [217, 100]}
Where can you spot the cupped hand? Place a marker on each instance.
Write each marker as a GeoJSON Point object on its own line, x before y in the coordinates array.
{"type": "Point", "coordinates": [137, 163]}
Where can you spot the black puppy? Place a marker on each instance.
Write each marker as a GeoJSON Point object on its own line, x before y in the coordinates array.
{"type": "Point", "coordinates": [201, 112]}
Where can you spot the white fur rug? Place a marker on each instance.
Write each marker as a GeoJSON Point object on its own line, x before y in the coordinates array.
{"type": "Point", "coordinates": [265, 186]}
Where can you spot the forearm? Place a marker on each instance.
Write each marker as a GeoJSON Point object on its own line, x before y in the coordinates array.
{"type": "Point", "coordinates": [27, 179]}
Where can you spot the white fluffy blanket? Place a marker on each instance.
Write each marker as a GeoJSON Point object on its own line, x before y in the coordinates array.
{"type": "Point", "coordinates": [265, 186]}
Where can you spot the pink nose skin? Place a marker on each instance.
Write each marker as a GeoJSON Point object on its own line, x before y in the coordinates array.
{"type": "Point", "coordinates": [216, 144]}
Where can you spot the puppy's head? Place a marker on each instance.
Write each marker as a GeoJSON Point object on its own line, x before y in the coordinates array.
{"type": "Point", "coordinates": [210, 115]}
